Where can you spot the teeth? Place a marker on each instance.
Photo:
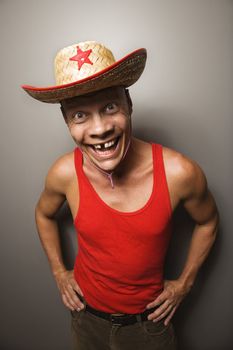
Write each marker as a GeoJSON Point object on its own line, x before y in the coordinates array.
{"type": "Point", "coordinates": [106, 145]}
{"type": "Point", "coordinates": [109, 144]}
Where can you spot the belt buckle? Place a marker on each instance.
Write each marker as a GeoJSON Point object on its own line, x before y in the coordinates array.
{"type": "Point", "coordinates": [114, 320]}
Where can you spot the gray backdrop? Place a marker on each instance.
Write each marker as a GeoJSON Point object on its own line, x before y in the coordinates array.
{"type": "Point", "coordinates": [183, 100]}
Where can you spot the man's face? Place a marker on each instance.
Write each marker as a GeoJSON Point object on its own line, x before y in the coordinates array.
{"type": "Point", "coordinates": [100, 125]}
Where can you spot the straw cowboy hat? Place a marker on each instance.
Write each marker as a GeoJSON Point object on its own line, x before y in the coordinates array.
{"type": "Point", "coordinates": [88, 67]}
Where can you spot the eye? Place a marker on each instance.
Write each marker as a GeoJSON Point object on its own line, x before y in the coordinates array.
{"type": "Point", "coordinates": [79, 117]}
{"type": "Point", "coordinates": [111, 107]}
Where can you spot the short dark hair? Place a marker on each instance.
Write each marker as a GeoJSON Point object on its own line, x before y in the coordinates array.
{"type": "Point", "coordinates": [63, 111]}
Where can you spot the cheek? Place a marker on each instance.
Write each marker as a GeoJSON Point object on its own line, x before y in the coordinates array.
{"type": "Point", "coordinates": [76, 133]}
{"type": "Point", "coordinates": [124, 122]}
{"type": "Point", "coordinates": [127, 124]}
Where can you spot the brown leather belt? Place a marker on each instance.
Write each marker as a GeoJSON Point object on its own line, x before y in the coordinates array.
{"type": "Point", "coordinates": [121, 320]}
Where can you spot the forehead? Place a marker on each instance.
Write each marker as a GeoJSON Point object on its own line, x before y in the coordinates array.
{"type": "Point", "coordinates": [96, 97]}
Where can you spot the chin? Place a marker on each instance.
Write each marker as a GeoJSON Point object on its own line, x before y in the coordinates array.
{"type": "Point", "coordinates": [108, 165]}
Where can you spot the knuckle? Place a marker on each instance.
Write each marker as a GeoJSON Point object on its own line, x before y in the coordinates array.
{"type": "Point", "coordinates": [69, 286]}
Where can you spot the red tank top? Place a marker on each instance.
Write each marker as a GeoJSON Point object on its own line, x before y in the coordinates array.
{"type": "Point", "coordinates": [120, 260]}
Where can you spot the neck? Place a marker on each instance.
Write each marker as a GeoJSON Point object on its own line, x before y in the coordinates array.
{"type": "Point", "coordinates": [109, 175]}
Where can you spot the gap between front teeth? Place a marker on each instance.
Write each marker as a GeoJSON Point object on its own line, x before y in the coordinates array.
{"type": "Point", "coordinates": [107, 144]}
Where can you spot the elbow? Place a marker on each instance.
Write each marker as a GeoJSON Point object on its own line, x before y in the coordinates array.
{"type": "Point", "coordinates": [210, 228]}
{"type": "Point", "coordinates": [216, 223]}
{"type": "Point", "coordinates": [214, 226]}
{"type": "Point", "coordinates": [216, 220]}
{"type": "Point", "coordinates": [37, 209]}
{"type": "Point", "coordinates": [38, 212]}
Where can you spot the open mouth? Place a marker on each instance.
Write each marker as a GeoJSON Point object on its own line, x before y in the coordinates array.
{"type": "Point", "coordinates": [106, 148]}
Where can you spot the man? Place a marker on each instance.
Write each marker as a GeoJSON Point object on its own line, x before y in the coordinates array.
{"type": "Point", "coordinates": [122, 192]}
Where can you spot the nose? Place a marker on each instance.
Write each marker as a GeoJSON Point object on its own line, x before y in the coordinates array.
{"type": "Point", "coordinates": [101, 127]}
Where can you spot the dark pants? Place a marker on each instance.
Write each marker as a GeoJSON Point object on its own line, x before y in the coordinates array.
{"type": "Point", "coordinates": [90, 332]}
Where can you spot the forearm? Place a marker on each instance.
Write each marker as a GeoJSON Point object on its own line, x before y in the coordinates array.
{"type": "Point", "coordinates": [49, 236]}
{"type": "Point", "coordinates": [202, 240]}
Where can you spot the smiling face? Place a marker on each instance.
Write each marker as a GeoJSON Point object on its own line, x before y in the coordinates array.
{"type": "Point", "coordinates": [100, 125]}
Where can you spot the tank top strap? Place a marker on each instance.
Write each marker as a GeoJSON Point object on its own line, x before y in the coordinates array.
{"type": "Point", "coordinates": [160, 177]}
{"type": "Point", "coordinates": [158, 162]}
{"type": "Point", "coordinates": [78, 161]}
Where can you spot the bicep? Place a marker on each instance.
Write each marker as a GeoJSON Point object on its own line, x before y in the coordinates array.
{"type": "Point", "coordinates": [199, 201]}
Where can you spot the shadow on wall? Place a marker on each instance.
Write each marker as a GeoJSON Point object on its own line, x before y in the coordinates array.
{"type": "Point", "coordinates": [67, 236]}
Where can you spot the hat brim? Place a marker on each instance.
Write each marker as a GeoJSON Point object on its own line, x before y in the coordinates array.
{"type": "Point", "coordinates": [124, 72]}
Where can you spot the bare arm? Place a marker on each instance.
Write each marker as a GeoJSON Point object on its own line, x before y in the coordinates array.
{"type": "Point", "coordinates": [50, 201]}
{"type": "Point", "coordinates": [199, 202]}
{"type": "Point", "coordinates": [201, 206]}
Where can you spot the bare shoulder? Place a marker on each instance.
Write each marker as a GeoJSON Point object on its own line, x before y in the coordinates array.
{"type": "Point", "coordinates": [184, 174]}
{"type": "Point", "coordinates": [61, 173]}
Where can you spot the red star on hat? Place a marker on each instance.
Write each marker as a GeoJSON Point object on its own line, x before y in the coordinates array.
{"type": "Point", "coordinates": [82, 57]}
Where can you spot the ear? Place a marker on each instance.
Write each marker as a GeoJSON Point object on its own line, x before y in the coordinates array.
{"type": "Point", "coordinates": [130, 103]}
{"type": "Point", "coordinates": [63, 112]}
